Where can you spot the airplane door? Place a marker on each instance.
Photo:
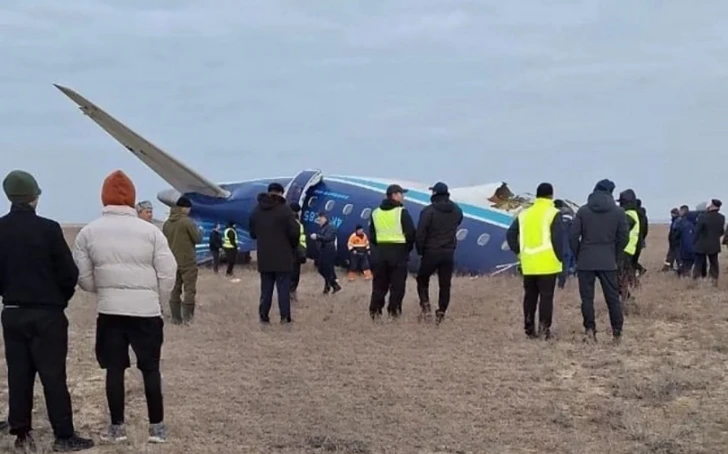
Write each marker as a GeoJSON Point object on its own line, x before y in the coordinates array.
{"type": "Point", "coordinates": [296, 189]}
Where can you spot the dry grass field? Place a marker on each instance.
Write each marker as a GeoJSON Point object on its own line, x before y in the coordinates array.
{"type": "Point", "coordinates": [335, 382]}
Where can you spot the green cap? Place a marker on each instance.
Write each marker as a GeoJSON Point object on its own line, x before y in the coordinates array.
{"type": "Point", "coordinates": [21, 187]}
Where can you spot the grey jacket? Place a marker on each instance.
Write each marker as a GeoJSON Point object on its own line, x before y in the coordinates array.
{"type": "Point", "coordinates": [598, 233]}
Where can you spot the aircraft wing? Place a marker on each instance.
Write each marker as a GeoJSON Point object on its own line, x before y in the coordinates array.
{"type": "Point", "coordinates": [178, 175]}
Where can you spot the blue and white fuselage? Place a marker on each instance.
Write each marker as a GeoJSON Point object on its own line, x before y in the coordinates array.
{"type": "Point", "coordinates": [348, 200]}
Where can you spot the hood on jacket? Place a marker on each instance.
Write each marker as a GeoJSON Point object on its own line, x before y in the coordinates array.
{"type": "Point", "coordinates": [388, 204]}
{"type": "Point", "coordinates": [601, 202]}
{"type": "Point", "coordinates": [628, 199]}
{"type": "Point", "coordinates": [604, 185]}
{"type": "Point", "coordinates": [442, 203]}
{"type": "Point", "coordinates": [176, 213]}
{"type": "Point", "coordinates": [268, 201]}
{"type": "Point", "coordinates": [118, 190]}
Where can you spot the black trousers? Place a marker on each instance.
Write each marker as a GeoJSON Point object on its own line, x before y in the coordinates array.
{"type": "Point", "coordinates": [282, 284]}
{"type": "Point", "coordinates": [610, 286]}
{"type": "Point", "coordinates": [443, 263]}
{"type": "Point", "coordinates": [389, 275]}
{"type": "Point", "coordinates": [701, 266]}
{"type": "Point", "coordinates": [538, 293]}
{"type": "Point", "coordinates": [325, 266]}
{"type": "Point", "coordinates": [215, 260]}
{"type": "Point", "coordinates": [145, 335]}
{"type": "Point", "coordinates": [296, 275]}
{"type": "Point", "coordinates": [36, 341]}
{"type": "Point", "coordinates": [231, 256]}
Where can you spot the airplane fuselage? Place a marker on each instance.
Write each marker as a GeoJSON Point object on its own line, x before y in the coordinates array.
{"type": "Point", "coordinates": [349, 202]}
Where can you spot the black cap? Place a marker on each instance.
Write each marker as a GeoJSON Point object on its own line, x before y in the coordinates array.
{"type": "Point", "coordinates": [184, 202]}
{"type": "Point", "coordinates": [716, 203]}
{"type": "Point", "coordinates": [439, 188]}
{"type": "Point", "coordinates": [276, 188]}
{"type": "Point", "coordinates": [544, 190]}
{"type": "Point", "coordinates": [295, 207]}
{"type": "Point", "coordinates": [358, 226]}
{"type": "Point", "coordinates": [395, 189]}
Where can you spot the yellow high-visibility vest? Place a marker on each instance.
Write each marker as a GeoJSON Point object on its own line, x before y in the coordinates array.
{"type": "Point", "coordinates": [537, 254]}
{"type": "Point", "coordinates": [226, 243]}
{"type": "Point", "coordinates": [302, 235]}
{"type": "Point", "coordinates": [634, 233]}
{"type": "Point", "coordinates": [388, 225]}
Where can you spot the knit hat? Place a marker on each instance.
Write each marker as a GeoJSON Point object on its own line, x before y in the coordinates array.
{"type": "Point", "coordinates": [118, 190]}
{"type": "Point", "coordinates": [545, 190]}
{"type": "Point", "coordinates": [184, 202]}
{"type": "Point", "coordinates": [21, 187]}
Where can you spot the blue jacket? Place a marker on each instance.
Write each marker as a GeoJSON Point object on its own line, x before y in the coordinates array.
{"type": "Point", "coordinates": [567, 218]}
{"type": "Point", "coordinates": [686, 229]}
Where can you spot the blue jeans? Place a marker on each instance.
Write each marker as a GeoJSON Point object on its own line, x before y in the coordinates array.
{"type": "Point", "coordinates": [568, 269]}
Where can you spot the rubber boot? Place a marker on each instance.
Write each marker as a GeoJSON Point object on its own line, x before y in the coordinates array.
{"type": "Point", "coordinates": [188, 313]}
{"type": "Point", "coordinates": [176, 309]}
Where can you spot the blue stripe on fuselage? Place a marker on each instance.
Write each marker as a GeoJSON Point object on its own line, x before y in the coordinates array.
{"type": "Point", "coordinates": [424, 197]}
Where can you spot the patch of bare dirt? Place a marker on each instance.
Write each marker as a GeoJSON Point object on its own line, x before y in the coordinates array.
{"type": "Point", "coordinates": [336, 383]}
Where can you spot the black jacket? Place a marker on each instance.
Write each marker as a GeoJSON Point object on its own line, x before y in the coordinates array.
{"type": "Point", "coordinates": [599, 233]}
{"type": "Point", "coordinates": [36, 266]}
{"type": "Point", "coordinates": [326, 241]}
{"type": "Point", "coordinates": [388, 250]}
{"type": "Point", "coordinates": [708, 230]}
{"type": "Point", "coordinates": [273, 224]}
{"type": "Point", "coordinates": [644, 222]}
{"type": "Point", "coordinates": [557, 236]}
{"type": "Point", "coordinates": [438, 225]}
{"type": "Point", "coordinates": [215, 240]}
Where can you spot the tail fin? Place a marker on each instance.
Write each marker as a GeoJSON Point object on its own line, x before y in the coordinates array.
{"type": "Point", "coordinates": [178, 175]}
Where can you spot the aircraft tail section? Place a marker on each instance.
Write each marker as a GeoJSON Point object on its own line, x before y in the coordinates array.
{"type": "Point", "coordinates": [178, 175]}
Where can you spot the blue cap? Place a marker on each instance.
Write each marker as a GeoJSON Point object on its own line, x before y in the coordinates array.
{"type": "Point", "coordinates": [439, 188]}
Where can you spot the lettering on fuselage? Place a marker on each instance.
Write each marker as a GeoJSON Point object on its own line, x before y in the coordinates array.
{"type": "Point", "coordinates": [310, 216]}
{"type": "Point", "coordinates": [335, 195]}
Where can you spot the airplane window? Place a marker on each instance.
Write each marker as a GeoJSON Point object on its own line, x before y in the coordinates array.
{"type": "Point", "coordinates": [348, 208]}
{"type": "Point", "coordinates": [483, 239]}
{"type": "Point", "coordinates": [311, 201]}
{"type": "Point", "coordinates": [329, 205]}
{"type": "Point", "coordinates": [462, 233]}
{"type": "Point", "coordinates": [365, 213]}
{"type": "Point", "coordinates": [504, 246]}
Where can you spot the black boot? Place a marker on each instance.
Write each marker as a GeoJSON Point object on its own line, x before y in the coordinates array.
{"type": "Point", "coordinates": [72, 444]}
{"type": "Point", "coordinates": [590, 336]}
{"type": "Point", "coordinates": [188, 313]}
{"type": "Point", "coordinates": [176, 309]}
{"type": "Point", "coordinates": [327, 289]}
{"type": "Point", "coordinates": [544, 331]}
{"type": "Point", "coordinates": [336, 288]}
{"type": "Point", "coordinates": [25, 443]}
{"type": "Point", "coordinates": [426, 313]}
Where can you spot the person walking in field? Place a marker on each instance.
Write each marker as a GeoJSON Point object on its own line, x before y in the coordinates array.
{"type": "Point", "coordinates": [273, 224]}
{"type": "Point", "coordinates": [128, 264]}
{"type": "Point", "coordinates": [536, 237]}
{"type": "Point", "coordinates": [599, 234]}
{"type": "Point", "coordinates": [183, 235]}
{"type": "Point", "coordinates": [37, 280]}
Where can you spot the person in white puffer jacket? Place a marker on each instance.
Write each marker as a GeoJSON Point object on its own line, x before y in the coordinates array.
{"type": "Point", "coordinates": [128, 264]}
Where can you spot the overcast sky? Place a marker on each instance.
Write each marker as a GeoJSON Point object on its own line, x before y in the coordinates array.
{"type": "Point", "coordinates": [464, 91]}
